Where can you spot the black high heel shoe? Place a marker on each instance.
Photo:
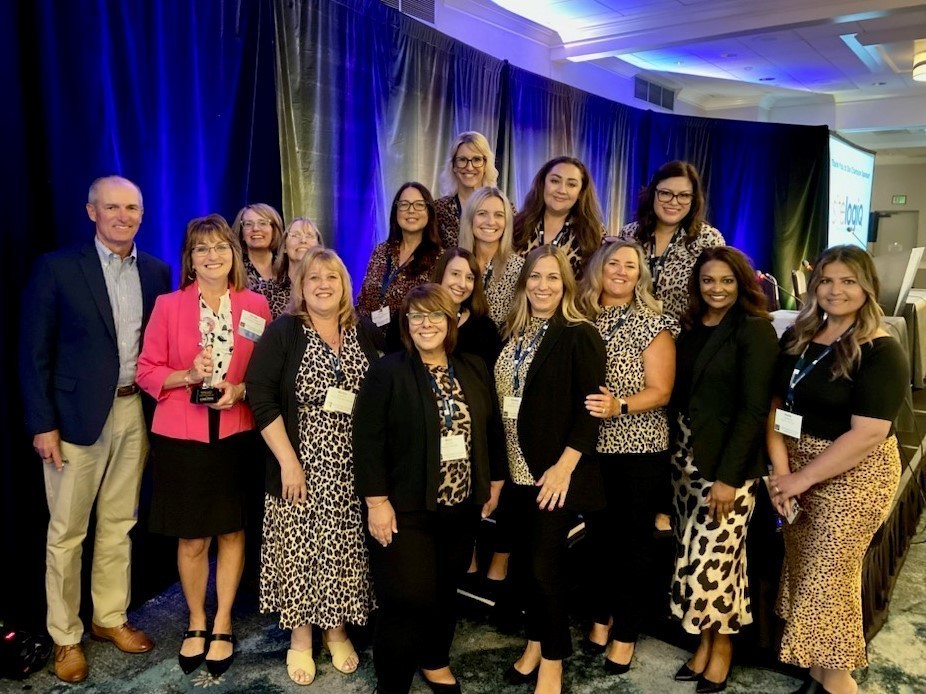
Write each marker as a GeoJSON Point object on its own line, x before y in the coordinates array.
{"type": "Point", "coordinates": [516, 677]}
{"type": "Point", "coordinates": [217, 668]}
{"type": "Point", "coordinates": [188, 663]}
{"type": "Point", "coordinates": [706, 686]}
{"type": "Point", "coordinates": [442, 687]}
{"type": "Point", "coordinates": [686, 674]}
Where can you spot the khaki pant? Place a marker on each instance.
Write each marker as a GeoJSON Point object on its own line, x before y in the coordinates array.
{"type": "Point", "coordinates": [109, 472]}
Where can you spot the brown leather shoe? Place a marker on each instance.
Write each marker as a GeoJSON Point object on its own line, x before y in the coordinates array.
{"type": "Point", "coordinates": [127, 638]}
{"type": "Point", "coordinates": [70, 664]}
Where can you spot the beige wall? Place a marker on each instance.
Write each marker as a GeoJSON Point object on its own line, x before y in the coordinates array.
{"type": "Point", "coordinates": [901, 179]}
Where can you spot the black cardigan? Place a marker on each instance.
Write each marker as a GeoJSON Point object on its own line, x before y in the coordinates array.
{"type": "Point", "coordinates": [569, 366]}
{"type": "Point", "coordinates": [271, 379]}
{"type": "Point", "coordinates": [729, 398]}
{"type": "Point", "coordinates": [397, 432]}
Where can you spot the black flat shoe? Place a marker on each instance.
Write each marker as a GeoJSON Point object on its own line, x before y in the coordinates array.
{"type": "Point", "coordinates": [811, 686]}
{"type": "Point", "coordinates": [217, 668]}
{"type": "Point", "coordinates": [686, 674]}
{"type": "Point", "coordinates": [516, 677]}
{"type": "Point", "coordinates": [705, 686]}
{"type": "Point", "coordinates": [188, 663]}
{"type": "Point", "coordinates": [591, 647]}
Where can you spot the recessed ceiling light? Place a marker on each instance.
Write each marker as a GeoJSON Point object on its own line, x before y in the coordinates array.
{"type": "Point", "coordinates": [679, 62]}
{"type": "Point", "coordinates": [728, 55]}
{"type": "Point", "coordinates": [766, 79]}
{"type": "Point", "coordinates": [878, 84]}
{"type": "Point", "coordinates": [747, 68]}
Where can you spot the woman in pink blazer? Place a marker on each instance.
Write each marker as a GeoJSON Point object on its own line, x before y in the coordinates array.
{"type": "Point", "coordinates": [198, 337]}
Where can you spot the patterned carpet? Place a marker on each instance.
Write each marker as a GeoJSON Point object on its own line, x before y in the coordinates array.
{"type": "Point", "coordinates": [480, 656]}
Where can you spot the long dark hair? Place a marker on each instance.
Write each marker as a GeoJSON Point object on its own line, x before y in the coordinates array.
{"type": "Point", "coordinates": [750, 299]}
{"type": "Point", "coordinates": [586, 215]}
{"type": "Point", "coordinates": [476, 303]}
{"type": "Point", "coordinates": [646, 213]}
{"type": "Point", "coordinates": [426, 252]}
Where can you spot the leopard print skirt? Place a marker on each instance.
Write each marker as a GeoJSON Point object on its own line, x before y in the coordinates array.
{"type": "Point", "coordinates": [821, 582]}
{"type": "Point", "coordinates": [709, 586]}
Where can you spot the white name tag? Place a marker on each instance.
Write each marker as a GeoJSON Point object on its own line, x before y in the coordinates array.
{"type": "Point", "coordinates": [339, 400]}
{"type": "Point", "coordinates": [251, 325]}
{"type": "Point", "coordinates": [788, 423]}
{"type": "Point", "coordinates": [511, 406]}
{"type": "Point", "coordinates": [381, 317]}
{"type": "Point", "coordinates": [452, 447]}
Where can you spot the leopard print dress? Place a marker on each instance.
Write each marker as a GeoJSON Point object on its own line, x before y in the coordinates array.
{"type": "Point", "coordinates": [820, 597]}
{"type": "Point", "coordinates": [709, 586]}
{"type": "Point", "coordinates": [499, 289]}
{"type": "Point", "coordinates": [314, 563]}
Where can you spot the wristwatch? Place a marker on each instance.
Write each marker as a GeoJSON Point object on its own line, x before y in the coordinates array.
{"type": "Point", "coordinates": [623, 406]}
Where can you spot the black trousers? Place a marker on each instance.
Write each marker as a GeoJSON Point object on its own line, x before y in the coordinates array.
{"type": "Point", "coordinates": [621, 541]}
{"type": "Point", "coordinates": [539, 562]}
{"type": "Point", "coordinates": [415, 579]}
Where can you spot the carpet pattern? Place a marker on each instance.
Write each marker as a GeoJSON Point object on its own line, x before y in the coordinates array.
{"type": "Point", "coordinates": [480, 657]}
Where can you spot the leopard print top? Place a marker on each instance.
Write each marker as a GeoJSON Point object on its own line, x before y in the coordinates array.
{"type": "Point", "coordinates": [566, 240]}
{"type": "Point", "coordinates": [448, 220]}
{"type": "Point", "coordinates": [277, 293]}
{"type": "Point", "coordinates": [455, 475]}
{"type": "Point", "coordinates": [672, 285]}
{"type": "Point", "coordinates": [642, 432]}
{"type": "Point", "coordinates": [504, 384]}
{"type": "Point", "coordinates": [500, 289]}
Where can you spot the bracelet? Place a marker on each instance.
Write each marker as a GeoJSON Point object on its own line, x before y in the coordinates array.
{"type": "Point", "coordinates": [244, 392]}
{"type": "Point", "coordinates": [379, 504]}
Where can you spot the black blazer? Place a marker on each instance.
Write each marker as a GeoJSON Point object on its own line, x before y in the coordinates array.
{"type": "Point", "coordinates": [730, 398]}
{"type": "Point", "coordinates": [397, 432]}
{"type": "Point", "coordinates": [271, 380]}
{"type": "Point", "coordinates": [69, 359]}
{"type": "Point", "coordinates": [569, 365]}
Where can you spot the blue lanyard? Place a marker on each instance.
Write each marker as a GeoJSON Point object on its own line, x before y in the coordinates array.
{"type": "Point", "coordinates": [620, 321]}
{"type": "Point", "coordinates": [658, 262]}
{"type": "Point", "coordinates": [801, 369]}
{"type": "Point", "coordinates": [389, 276]}
{"type": "Point", "coordinates": [447, 404]}
{"type": "Point", "coordinates": [336, 359]}
{"type": "Point", "coordinates": [520, 354]}
{"type": "Point", "coordinates": [486, 278]}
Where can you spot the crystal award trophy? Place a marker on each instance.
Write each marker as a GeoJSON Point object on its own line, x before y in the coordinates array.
{"type": "Point", "coordinates": [205, 394]}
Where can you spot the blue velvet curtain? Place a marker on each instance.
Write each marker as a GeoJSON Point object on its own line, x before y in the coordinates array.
{"type": "Point", "coordinates": [370, 98]}
{"type": "Point", "coordinates": [179, 97]}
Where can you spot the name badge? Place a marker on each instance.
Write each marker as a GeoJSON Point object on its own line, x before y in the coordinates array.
{"type": "Point", "coordinates": [511, 406]}
{"type": "Point", "coordinates": [381, 317]}
{"type": "Point", "coordinates": [251, 326]}
{"type": "Point", "coordinates": [339, 400]}
{"type": "Point", "coordinates": [452, 447]}
{"type": "Point", "coordinates": [788, 423]}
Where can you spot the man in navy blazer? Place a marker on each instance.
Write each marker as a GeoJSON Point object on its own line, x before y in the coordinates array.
{"type": "Point", "coordinates": [84, 313]}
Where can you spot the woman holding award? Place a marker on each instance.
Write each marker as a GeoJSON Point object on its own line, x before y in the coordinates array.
{"type": "Point", "coordinates": [195, 353]}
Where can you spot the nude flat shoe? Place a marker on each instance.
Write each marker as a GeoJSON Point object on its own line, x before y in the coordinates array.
{"type": "Point", "coordinates": [340, 652]}
{"type": "Point", "coordinates": [300, 660]}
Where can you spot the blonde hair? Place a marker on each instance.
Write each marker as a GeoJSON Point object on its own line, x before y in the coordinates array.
{"type": "Point", "coordinates": [519, 315]}
{"type": "Point", "coordinates": [281, 263]}
{"type": "Point", "coordinates": [268, 213]}
{"type": "Point", "coordinates": [202, 229]}
{"type": "Point", "coordinates": [448, 179]}
{"type": "Point", "coordinates": [467, 239]}
{"type": "Point", "coordinates": [868, 320]}
{"type": "Point", "coordinates": [590, 288]}
{"type": "Point", "coordinates": [347, 317]}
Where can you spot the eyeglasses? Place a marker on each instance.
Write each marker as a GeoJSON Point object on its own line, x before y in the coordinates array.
{"type": "Point", "coordinates": [201, 251]}
{"type": "Point", "coordinates": [417, 205]}
{"type": "Point", "coordinates": [478, 162]}
{"type": "Point", "coordinates": [304, 236]}
{"type": "Point", "coordinates": [260, 223]}
{"type": "Point", "coordinates": [664, 195]}
{"type": "Point", "coordinates": [416, 318]}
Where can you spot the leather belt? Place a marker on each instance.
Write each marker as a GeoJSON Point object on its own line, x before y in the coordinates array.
{"type": "Point", "coordinates": [124, 391]}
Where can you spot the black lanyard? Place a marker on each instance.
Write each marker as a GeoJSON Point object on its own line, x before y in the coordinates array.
{"type": "Point", "coordinates": [560, 237]}
{"type": "Point", "coordinates": [802, 368]}
{"type": "Point", "coordinates": [487, 277]}
{"type": "Point", "coordinates": [658, 262]}
{"type": "Point", "coordinates": [447, 404]}
{"type": "Point", "coordinates": [620, 321]}
{"type": "Point", "coordinates": [520, 354]}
